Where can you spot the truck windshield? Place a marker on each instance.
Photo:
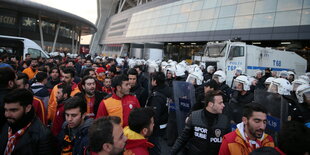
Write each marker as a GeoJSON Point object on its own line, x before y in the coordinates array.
{"type": "Point", "coordinates": [215, 50]}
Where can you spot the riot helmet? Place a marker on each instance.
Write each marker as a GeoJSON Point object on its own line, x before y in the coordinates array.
{"type": "Point", "coordinates": [303, 93]}
{"type": "Point", "coordinates": [219, 76]}
{"type": "Point", "coordinates": [296, 83]}
{"type": "Point", "coordinates": [241, 83]}
{"type": "Point", "coordinates": [280, 86]}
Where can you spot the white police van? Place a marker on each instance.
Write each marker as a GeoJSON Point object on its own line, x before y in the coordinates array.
{"type": "Point", "coordinates": [230, 55]}
{"type": "Point", "coordinates": [20, 47]}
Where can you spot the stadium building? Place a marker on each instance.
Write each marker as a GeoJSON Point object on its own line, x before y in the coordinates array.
{"type": "Point", "coordinates": [52, 29]}
{"type": "Point", "coordinates": [182, 27]}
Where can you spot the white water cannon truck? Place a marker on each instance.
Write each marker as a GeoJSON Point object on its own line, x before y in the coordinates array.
{"type": "Point", "coordinates": [228, 56]}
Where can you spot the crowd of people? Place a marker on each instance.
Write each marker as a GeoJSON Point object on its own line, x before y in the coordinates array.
{"type": "Point", "coordinates": [85, 105]}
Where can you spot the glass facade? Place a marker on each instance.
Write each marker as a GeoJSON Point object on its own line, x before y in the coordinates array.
{"type": "Point", "coordinates": [210, 15]}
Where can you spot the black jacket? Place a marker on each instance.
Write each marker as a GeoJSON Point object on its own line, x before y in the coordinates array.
{"type": "Point", "coordinates": [200, 97]}
{"type": "Point", "coordinates": [158, 100]}
{"type": "Point", "coordinates": [3, 92]}
{"type": "Point", "coordinates": [201, 136]}
{"type": "Point", "coordinates": [207, 76]}
{"type": "Point", "coordinates": [37, 140]}
{"type": "Point", "coordinates": [80, 140]}
{"type": "Point", "coordinates": [226, 90]}
{"type": "Point", "coordinates": [143, 81]}
{"type": "Point", "coordinates": [140, 93]}
{"type": "Point", "coordinates": [51, 83]}
{"type": "Point", "coordinates": [234, 109]}
{"type": "Point", "coordinates": [99, 96]}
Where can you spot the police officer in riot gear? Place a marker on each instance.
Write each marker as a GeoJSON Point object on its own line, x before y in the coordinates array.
{"type": "Point", "coordinates": [283, 87]}
{"type": "Point", "coordinates": [158, 101]}
{"type": "Point", "coordinates": [204, 128]}
{"type": "Point", "coordinates": [241, 96]}
{"type": "Point", "coordinates": [220, 77]}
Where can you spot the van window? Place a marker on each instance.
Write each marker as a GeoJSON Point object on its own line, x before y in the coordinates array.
{"type": "Point", "coordinates": [236, 51]}
{"type": "Point", "coordinates": [34, 53]}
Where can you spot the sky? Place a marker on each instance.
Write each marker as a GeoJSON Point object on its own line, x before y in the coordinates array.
{"type": "Point", "coordinates": [83, 8]}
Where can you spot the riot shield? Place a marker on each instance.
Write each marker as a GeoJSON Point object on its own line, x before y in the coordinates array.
{"type": "Point", "coordinates": [184, 98]}
{"type": "Point", "coordinates": [277, 108]}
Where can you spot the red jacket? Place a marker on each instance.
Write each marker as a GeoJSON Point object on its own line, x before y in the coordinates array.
{"type": "Point", "coordinates": [136, 143]}
{"type": "Point", "coordinates": [39, 109]}
{"type": "Point", "coordinates": [234, 142]}
{"type": "Point", "coordinates": [107, 90]}
{"type": "Point", "coordinates": [116, 106]}
{"type": "Point", "coordinates": [59, 119]}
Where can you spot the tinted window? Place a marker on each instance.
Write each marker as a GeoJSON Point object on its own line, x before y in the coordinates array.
{"type": "Point", "coordinates": [236, 51]}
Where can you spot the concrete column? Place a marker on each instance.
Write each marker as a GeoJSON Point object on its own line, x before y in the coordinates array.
{"type": "Point", "coordinates": [72, 45]}
{"type": "Point", "coordinates": [56, 36]}
{"type": "Point", "coordinates": [41, 33]}
{"type": "Point", "coordinates": [78, 42]}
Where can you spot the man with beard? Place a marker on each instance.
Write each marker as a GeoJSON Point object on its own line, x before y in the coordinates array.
{"type": "Point", "coordinates": [67, 78]}
{"type": "Point", "coordinates": [7, 83]}
{"type": "Point", "coordinates": [63, 93]}
{"type": "Point", "coordinates": [204, 128]}
{"type": "Point", "coordinates": [90, 95]}
{"type": "Point", "coordinates": [23, 134]}
{"type": "Point", "coordinates": [136, 88]}
{"type": "Point", "coordinates": [107, 85]}
{"type": "Point", "coordinates": [73, 138]}
{"type": "Point", "coordinates": [91, 72]}
{"type": "Point", "coordinates": [249, 134]}
{"type": "Point", "coordinates": [106, 136]}
{"type": "Point", "coordinates": [22, 83]}
{"type": "Point", "coordinates": [141, 124]}
{"type": "Point", "coordinates": [121, 102]}
{"type": "Point", "coordinates": [32, 70]}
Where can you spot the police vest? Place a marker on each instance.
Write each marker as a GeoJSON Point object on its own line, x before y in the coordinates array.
{"type": "Point", "coordinates": [207, 138]}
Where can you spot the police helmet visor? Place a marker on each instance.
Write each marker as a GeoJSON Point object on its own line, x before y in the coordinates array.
{"type": "Point", "coordinates": [216, 77]}
{"type": "Point", "coordinates": [273, 88]}
{"type": "Point", "coordinates": [307, 96]}
{"type": "Point", "coordinates": [237, 86]}
{"type": "Point", "coordinates": [295, 86]}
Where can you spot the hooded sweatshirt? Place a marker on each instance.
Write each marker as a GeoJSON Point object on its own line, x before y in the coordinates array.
{"type": "Point", "coordinates": [136, 143]}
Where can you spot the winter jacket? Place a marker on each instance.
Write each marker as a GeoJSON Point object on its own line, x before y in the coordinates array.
{"type": "Point", "coordinates": [52, 83]}
{"type": "Point", "coordinates": [227, 91]}
{"type": "Point", "coordinates": [79, 136]}
{"type": "Point", "coordinates": [37, 140]}
{"type": "Point", "coordinates": [116, 106]}
{"type": "Point", "coordinates": [201, 136]}
{"type": "Point", "coordinates": [99, 96]}
{"type": "Point", "coordinates": [59, 119]}
{"type": "Point", "coordinates": [143, 81]}
{"type": "Point", "coordinates": [234, 109]}
{"type": "Point", "coordinates": [52, 103]}
{"type": "Point", "coordinates": [140, 93]}
{"type": "Point", "coordinates": [30, 72]}
{"type": "Point", "coordinates": [158, 101]}
{"type": "Point", "coordinates": [136, 143]}
{"type": "Point", "coordinates": [108, 90]}
{"type": "Point", "coordinates": [40, 91]}
{"type": "Point", "coordinates": [207, 76]}
{"type": "Point", "coordinates": [40, 110]}
{"type": "Point", "coordinates": [235, 143]}
{"type": "Point", "coordinates": [3, 92]}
